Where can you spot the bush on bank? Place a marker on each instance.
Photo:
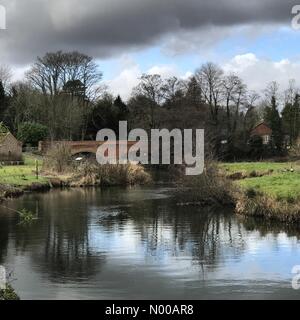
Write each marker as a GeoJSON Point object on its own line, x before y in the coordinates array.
{"type": "Point", "coordinates": [88, 174]}
{"type": "Point", "coordinates": [58, 159]}
{"type": "Point", "coordinates": [211, 187]}
{"type": "Point", "coordinates": [214, 187]}
{"type": "Point", "coordinates": [59, 162]}
{"type": "Point", "coordinates": [265, 206]}
{"type": "Point", "coordinates": [8, 294]}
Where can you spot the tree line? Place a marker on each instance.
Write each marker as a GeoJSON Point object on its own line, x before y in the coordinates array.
{"type": "Point", "coordinates": [62, 98]}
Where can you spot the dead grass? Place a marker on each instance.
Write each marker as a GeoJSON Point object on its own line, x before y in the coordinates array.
{"type": "Point", "coordinates": [209, 188]}
{"type": "Point", "coordinates": [259, 205]}
{"type": "Point", "coordinates": [58, 159]}
{"type": "Point", "coordinates": [110, 175]}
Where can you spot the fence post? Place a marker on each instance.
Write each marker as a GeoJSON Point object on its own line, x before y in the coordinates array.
{"type": "Point", "coordinates": [37, 169]}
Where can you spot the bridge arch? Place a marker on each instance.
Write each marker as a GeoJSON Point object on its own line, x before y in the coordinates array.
{"type": "Point", "coordinates": [81, 147]}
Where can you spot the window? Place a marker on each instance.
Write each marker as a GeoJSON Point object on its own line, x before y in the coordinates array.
{"type": "Point", "coordinates": [266, 139]}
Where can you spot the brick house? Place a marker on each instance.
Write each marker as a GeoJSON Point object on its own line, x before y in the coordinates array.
{"type": "Point", "coordinates": [10, 148]}
{"type": "Point", "coordinates": [264, 131]}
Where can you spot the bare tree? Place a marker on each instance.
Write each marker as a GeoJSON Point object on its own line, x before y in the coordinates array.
{"type": "Point", "coordinates": [73, 75]}
{"type": "Point", "coordinates": [230, 87]}
{"type": "Point", "coordinates": [272, 92]}
{"type": "Point", "coordinates": [172, 89]}
{"type": "Point", "coordinates": [54, 71]}
{"type": "Point", "coordinates": [150, 87]}
{"type": "Point", "coordinates": [239, 99]}
{"type": "Point", "coordinates": [234, 91]}
{"type": "Point", "coordinates": [291, 92]}
{"type": "Point", "coordinates": [252, 97]}
{"type": "Point", "coordinates": [5, 76]}
{"type": "Point", "coordinates": [209, 77]}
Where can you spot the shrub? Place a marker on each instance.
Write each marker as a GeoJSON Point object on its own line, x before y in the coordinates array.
{"type": "Point", "coordinates": [256, 147]}
{"type": "Point", "coordinates": [58, 159]}
{"type": "Point", "coordinates": [268, 208]}
{"type": "Point", "coordinates": [209, 187]}
{"type": "Point", "coordinates": [31, 133]}
{"type": "Point", "coordinates": [8, 293]}
{"type": "Point", "coordinates": [108, 175]}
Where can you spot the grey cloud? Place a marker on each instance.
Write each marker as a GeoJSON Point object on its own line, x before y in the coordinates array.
{"type": "Point", "coordinates": [107, 27]}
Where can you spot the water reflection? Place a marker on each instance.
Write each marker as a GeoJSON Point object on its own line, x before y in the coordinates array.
{"type": "Point", "coordinates": [137, 243]}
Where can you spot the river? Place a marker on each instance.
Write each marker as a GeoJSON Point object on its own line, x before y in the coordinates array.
{"type": "Point", "coordinates": [136, 243]}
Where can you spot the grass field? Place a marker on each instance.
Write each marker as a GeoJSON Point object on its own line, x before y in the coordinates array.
{"type": "Point", "coordinates": [19, 176]}
{"type": "Point", "coordinates": [281, 183]}
{"type": "Point", "coordinates": [248, 167]}
{"type": "Point", "coordinates": [282, 186]}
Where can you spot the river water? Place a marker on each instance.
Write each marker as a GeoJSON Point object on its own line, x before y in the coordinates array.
{"type": "Point", "coordinates": [136, 243]}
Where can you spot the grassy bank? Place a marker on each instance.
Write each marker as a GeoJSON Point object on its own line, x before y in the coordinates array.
{"type": "Point", "coordinates": [24, 175]}
{"type": "Point", "coordinates": [14, 180]}
{"type": "Point", "coordinates": [248, 167]}
{"type": "Point", "coordinates": [266, 189]}
{"type": "Point", "coordinates": [269, 190]}
{"type": "Point", "coordinates": [8, 294]}
{"type": "Point", "coordinates": [284, 186]}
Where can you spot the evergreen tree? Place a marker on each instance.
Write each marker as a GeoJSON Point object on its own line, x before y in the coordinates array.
{"type": "Point", "coordinates": [193, 94]}
{"type": "Point", "coordinates": [3, 101]}
{"type": "Point", "coordinates": [121, 107]}
{"type": "Point", "coordinates": [274, 120]}
{"type": "Point", "coordinates": [291, 119]}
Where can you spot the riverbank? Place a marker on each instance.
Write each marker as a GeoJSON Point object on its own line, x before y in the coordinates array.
{"type": "Point", "coordinates": [266, 189]}
{"type": "Point", "coordinates": [16, 180]}
{"type": "Point", "coordinates": [258, 189]}
{"type": "Point", "coordinates": [33, 177]}
{"type": "Point", "coordinates": [210, 188]}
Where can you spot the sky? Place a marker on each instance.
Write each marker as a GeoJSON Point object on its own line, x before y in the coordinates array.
{"type": "Point", "coordinates": [254, 39]}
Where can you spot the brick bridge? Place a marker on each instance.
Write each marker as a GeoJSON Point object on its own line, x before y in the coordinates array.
{"type": "Point", "coordinates": [81, 147]}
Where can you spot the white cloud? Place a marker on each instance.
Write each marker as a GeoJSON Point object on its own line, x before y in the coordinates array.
{"type": "Point", "coordinates": [130, 73]}
{"type": "Point", "coordinates": [164, 70]}
{"type": "Point", "coordinates": [125, 81]}
{"type": "Point", "coordinates": [257, 73]}
{"type": "Point", "coordinates": [19, 73]}
{"type": "Point", "coordinates": [240, 63]}
{"type": "Point", "coordinates": [167, 71]}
